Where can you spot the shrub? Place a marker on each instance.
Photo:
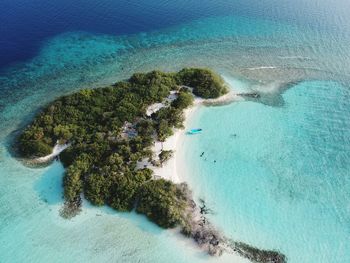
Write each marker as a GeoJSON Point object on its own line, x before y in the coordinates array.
{"type": "Point", "coordinates": [184, 100]}
{"type": "Point", "coordinates": [162, 202]}
{"type": "Point", "coordinates": [165, 156]}
{"type": "Point", "coordinates": [35, 149]}
{"type": "Point", "coordinates": [73, 178]}
{"type": "Point", "coordinates": [205, 83]}
{"type": "Point", "coordinates": [123, 191]}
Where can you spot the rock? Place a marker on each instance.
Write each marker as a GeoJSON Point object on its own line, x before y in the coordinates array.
{"type": "Point", "coordinates": [71, 209]}
{"type": "Point", "coordinates": [198, 227]}
{"type": "Point", "coordinates": [253, 95]}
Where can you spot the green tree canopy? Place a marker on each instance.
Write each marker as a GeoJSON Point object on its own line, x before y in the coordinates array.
{"type": "Point", "coordinates": [162, 202]}
{"type": "Point", "coordinates": [101, 162]}
{"type": "Point", "coordinates": [205, 83]}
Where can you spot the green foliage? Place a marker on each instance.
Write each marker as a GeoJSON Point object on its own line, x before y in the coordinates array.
{"type": "Point", "coordinates": [101, 163]}
{"type": "Point", "coordinates": [162, 202]}
{"type": "Point", "coordinates": [32, 142]}
{"type": "Point", "coordinates": [164, 130]}
{"type": "Point", "coordinates": [34, 148]}
{"type": "Point", "coordinates": [123, 191]}
{"type": "Point", "coordinates": [205, 83]}
{"type": "Point", "coordinates": [145, 128]}
{"type": "Point", "coordinates": [63, 132]}
{"type": "Point", "coordinates": [73, 178]}
{"type": "Point", "coordinates": [165, 156]}
{"type": "Point", "coordinates": [184, 100]}
{"type": "Point", "coordinates": [156, 85]}
{"type": "Point", "coordinates": [97, 189]}
{"type": "Point", "coordinates": [166, 119]}
{"type": "Point", "coordinates": [144, 174]}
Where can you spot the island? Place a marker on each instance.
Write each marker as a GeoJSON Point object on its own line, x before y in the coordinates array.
{"type": "Point", "coordinates": [102, 136]}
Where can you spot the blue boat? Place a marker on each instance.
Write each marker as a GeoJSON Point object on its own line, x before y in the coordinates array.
{"type": "Point", "coordinates": [195, 131]}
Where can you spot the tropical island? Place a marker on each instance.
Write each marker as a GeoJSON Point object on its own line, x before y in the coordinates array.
{"type": "Point", "coordinates": [103, 135]}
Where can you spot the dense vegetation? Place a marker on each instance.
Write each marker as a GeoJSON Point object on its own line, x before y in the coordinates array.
{"type": "Point", "coordinates": [204, 82]}
{"type": "Point", "coordinates": [102, 159]}
{"type": "Point", "coordinates": [162, 202]}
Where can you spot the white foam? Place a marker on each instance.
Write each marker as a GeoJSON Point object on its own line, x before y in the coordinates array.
{"type": "Point", "coordinates": [262, 67]}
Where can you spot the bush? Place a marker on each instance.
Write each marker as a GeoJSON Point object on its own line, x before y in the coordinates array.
{"type": "Point", "coordinates": [96, 190]}
{"type": "Point", "coordinates": [165, 156]}
{"type": "Point", "coordinates": [162, 202]}
{"type": "Point", "coordinates": [123, 191]}
{"type": "Point", "coordinates": [35, 149]}
{"type": "Point", "coordinates": [184, 100]}
{"type": "Point", "coordinates": [73, 178]}
{"type": "Point", "coordinates": [164, 130]}
{"type": "Point", "coordinates": [205, 83]}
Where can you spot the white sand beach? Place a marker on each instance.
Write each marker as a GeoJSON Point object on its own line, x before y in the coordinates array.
{"type": "Point", "coordinates": [170, 169]}
{"type": "Point", "coordinates": [57, 149]}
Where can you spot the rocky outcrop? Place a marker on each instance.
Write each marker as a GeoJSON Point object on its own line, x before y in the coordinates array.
{"type": "Point", "coordinates": [198, 227]}
{"type": "Point", "coordinates": [71, 209]}
{"type": "Point", "coordinates": [257, 255]}
{"type": "Point", "coordinates": [253, 95]}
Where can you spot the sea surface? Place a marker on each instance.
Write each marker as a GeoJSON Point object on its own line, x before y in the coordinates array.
{"type": "Point", "coordinates": [275, 172]}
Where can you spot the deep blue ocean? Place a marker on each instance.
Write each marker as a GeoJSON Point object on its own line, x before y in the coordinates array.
{"type": "Point", "coordinates": [26, 25]}
{"type": "Point", "coordinates": [281, 177]}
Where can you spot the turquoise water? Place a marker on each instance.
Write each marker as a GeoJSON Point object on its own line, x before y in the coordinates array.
{"type": "Point", "coordinates": [279, 176]}
{"type": "Point", "coordinates": [280, 183]}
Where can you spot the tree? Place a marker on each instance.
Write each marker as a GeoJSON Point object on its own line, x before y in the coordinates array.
{"type": "Point", "coordinates": [164, 130]}
{"type": "Point", "coordinates": [144, 174]}
{"type": "Point", "coordinates": [173, 116]}
{"type": "Point", "coordinates": [165, 156]}
{"type": "Point", "coordinates": [73, 178]}
{"type": "Point", "coordinates": [184, 100]}
{"type": "Point", "coordinates": [32, 148]}
{"type": "Point", "coordinates": [62, 132]}
{"type": "Point", "coordinates": [162, 202]}
{"type": "Point", "coordinates": [123, 191]}
{"type": "Point", "coordinates": [205, 83]}
{"type": "Point", "coordinates": [145, 128]}
{"type": "Point", "coordinates": [96, 189]}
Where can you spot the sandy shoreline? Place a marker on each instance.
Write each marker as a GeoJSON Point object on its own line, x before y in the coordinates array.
{"type": "Point", "coordinates": [170, 169]}
{"type": "Point", "coordinates": [57, 149]}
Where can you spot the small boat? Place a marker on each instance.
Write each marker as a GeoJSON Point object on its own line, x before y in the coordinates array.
{"type": "Point", "coordinates": [195, 131]}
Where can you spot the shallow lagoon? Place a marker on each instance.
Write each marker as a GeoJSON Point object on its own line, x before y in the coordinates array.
{"type": "Point", "coordinates": [278, 175]}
